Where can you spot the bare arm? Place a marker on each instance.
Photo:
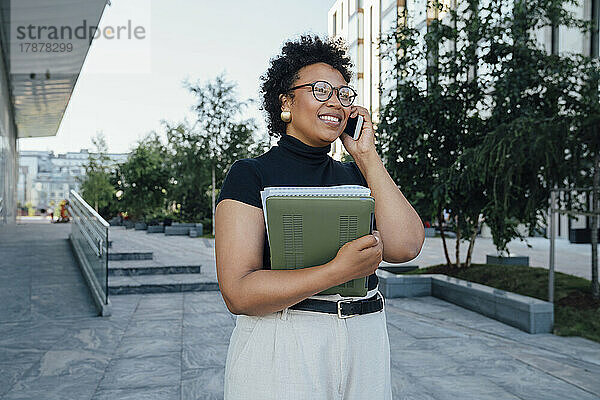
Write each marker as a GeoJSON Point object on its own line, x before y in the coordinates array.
{"type": "Point", "coordinates": [399, 224]}
{"type": "Point", "coordinates": [249, 289]}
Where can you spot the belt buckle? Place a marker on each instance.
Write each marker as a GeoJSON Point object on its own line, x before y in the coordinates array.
{"type": "Point", "coordinates": [339, 309]}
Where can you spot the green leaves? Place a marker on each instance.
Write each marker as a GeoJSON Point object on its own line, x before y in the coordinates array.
{"type": "Point", "coordinates": [175, 178]}
{"type": "Point", "coordinates": [482, 121]}
{"type": "Point", "coordinates": [145, 178]}
{"type": "Point", "coordinates": [96, 188]}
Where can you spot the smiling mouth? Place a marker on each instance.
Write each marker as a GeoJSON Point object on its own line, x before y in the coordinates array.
{"type": "Point", "coordinates": [330, 120]}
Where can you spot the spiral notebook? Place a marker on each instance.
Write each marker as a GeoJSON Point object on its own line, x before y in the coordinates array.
{"type": "Point", "coordinates": [306, 226]}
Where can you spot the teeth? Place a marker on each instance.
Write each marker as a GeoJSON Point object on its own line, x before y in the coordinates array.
{"type": "Point", "coordinates": [329, 118]}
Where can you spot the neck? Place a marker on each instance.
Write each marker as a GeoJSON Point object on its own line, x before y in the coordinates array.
{"type": "Point", "coordinates": [307, 141]}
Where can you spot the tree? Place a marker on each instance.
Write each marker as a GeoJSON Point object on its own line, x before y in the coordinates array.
{"type": "Point", "coordinates": [587, 155]}
{"type": "Point", "coordinates": [433, 115]}
{"type": "Point", "coordinates": [145, 178]}
{"type": "Point", "coordinates": [219, 136]}
{"type": "Point", "coordinates": [529, 143]}
{"type": "Point", "coordinates": [96, 188]}
{"type": "Point", "coordinates": [482, 119]}
{"type": "Point", "coordinates": [190, 174]}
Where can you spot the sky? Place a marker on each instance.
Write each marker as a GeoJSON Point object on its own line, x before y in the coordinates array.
{"type": "Point", "coordinates": [127, 87]}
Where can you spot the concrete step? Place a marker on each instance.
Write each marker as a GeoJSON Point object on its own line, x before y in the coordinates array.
{"type": "Point", "coordinates": [142, 267]}
{"type": "Point", "coordinates": [161, 284]}
{"type": "Point", "coordinates": [130, 255]}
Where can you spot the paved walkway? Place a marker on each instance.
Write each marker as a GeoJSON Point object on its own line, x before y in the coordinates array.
{"type": "Point", "coordinates": [173, 346]}
{"type": "Point", "coordinates": [39, 277]}
{"type": "Point", "coordinates": [573, 259]}
{"type": "Point", "coordinates": [168, 250]}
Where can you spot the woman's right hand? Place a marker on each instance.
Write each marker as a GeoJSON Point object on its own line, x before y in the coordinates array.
{"type": "Point", "coordinates": [358, 258]}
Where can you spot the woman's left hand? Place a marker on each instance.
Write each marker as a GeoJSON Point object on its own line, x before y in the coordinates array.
{"type": "Point", "coordinates": [366, 142]}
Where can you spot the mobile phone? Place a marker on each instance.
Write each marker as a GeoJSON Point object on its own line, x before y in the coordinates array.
{"type": "Point", "coordinates": [354, 127]}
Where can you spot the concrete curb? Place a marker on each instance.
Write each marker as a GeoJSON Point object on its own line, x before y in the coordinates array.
{"type": "Point", "coordinates": [526, 313]}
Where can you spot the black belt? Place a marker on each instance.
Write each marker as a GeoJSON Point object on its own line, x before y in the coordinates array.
{"type": "Point", "coordinates": [343, 308]}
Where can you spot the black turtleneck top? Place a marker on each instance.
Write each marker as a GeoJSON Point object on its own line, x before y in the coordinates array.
{"type": "Point", "coordinates": [290, 163]}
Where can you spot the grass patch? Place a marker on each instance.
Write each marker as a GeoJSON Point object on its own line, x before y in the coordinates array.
{"type": "Point", "coordinates": [576, 313]}
{"type": "Point", "coordinates": [208, 236]}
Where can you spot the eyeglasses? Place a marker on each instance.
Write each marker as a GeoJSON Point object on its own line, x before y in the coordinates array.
{"type": "Point", "coordinates": [323, 91]}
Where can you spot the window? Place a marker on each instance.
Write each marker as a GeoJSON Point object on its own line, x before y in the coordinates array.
{"type": "Point", "coordinates": [334, 22]}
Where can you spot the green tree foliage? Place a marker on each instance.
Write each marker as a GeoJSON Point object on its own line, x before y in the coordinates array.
{"type": "Point", "coordinates": [432, 116]}
{"type": "Point", "coordinates": [529, 145]}
{"type": "Point", "coordinates": [190, 175]}
{"type": "Point", "coordinates": [96, 188]}
{"type": "Point", "coordinates": [203, 153]}
{"type": "Point", "coordinates": [145, 179]}
{"type": "Point", "coordinates": [482, 121]}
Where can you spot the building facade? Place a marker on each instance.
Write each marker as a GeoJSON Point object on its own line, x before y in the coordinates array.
{"type": "Point", "coordinates": [45, 179]}
{"type": "Point", "coordinates": [8, 136]}
{"type": "Point", "coordinates": [35, 86]}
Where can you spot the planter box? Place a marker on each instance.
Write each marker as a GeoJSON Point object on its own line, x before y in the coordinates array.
{"type": "Point", "coordinates": [526, 313]}
{"type": "Point", "coordinates": [129, 224]}
{"type": "Point", "coordinates": [581, 235]}
{"type": "Point", "coordinates": [193, 233]}
{"type": "Point", "coordinates": [141, 226]}
{"type": "Point", "coordinates": [116, 221]}
{"type": "Point", "coordinates": [184, 224]}
{"type": "Point", "coordinates": [398, 269]}
{"type": "Point", "coordinates": [514, 260]}
{"type": "Point", "coordinates": [177, 230]}
{"type": "Point", "coordinates": [393, 286]}
{"type": "Point", "coordinates": [199, 229]}
{"type": "Point", "coordinates": [155, 229]}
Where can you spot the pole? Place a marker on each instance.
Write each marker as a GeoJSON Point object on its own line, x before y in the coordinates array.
{"type": "Point", "coordinates": [552, 238]}
{"type": "Point", "coordinates": [594, 227]}
{"type": "Point", "coordinates": [596, 183]}
{"type": "Point", "coordinates": [595, 26]}
{"type": "Point", "coordinates": [554, 40]}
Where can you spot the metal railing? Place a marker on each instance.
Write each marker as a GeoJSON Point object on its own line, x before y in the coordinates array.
{"type": "Point", "coordinates": [89, 237]}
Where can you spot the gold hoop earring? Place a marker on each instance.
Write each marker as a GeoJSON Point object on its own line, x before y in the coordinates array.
{"type": "Point", "coordinates": [286, 116]}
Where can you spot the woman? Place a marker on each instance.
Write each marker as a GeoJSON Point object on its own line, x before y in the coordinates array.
{"type": "Point", "coordinates": [287, 343]}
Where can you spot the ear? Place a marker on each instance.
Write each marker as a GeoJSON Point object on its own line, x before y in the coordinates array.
{"type": "Point", "coordinates": [285, 102]}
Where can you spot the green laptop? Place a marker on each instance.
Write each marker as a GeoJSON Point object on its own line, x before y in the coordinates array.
{"type": "Point", "coordinates": [305, 231]}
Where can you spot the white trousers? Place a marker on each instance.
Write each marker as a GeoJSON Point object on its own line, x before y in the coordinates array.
{"type": "Point", "coordinates": [300, 355]}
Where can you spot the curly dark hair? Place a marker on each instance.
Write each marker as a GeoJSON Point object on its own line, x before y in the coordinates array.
{"type": "Point", "coordinates": [283, 71]}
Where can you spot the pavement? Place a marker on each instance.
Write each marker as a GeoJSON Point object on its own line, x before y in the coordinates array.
{"type": "Point", "coordinates": [167, 250]}
{"type": "Point", "coordinates": [39, 277]}
{"type": "Point", "coordinates": [572, 259]}
{"type": "Point", "coordinates": [173, 346]}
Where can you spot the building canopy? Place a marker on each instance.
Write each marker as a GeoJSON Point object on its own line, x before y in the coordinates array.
{"type": "Point", "coordinates": [45, 45]}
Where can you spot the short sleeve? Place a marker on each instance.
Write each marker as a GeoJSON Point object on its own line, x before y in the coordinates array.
{"type": "Point", "coordinates": [242, 183]}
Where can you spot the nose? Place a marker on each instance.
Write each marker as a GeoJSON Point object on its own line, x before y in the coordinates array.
{"type": "Point", "coordinates": [334, 100]}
